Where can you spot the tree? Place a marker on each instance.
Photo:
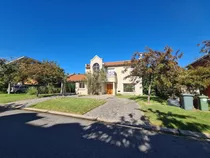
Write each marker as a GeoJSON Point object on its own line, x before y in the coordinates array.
{"type": "Point", "coordinates": [26, 67]}
{"type": "Point", "coordinates": [197, 78]}
{"type": "Point", "coordinates": [94, 81]}
{"type": "Point", "coordinates": [45, 73]}
{"type": "Point", "coordinates": [205, 46]}
{"type": "Point", "coordinates": [8, 73]}
{"type": "Point", "coordinates": [157, 69]}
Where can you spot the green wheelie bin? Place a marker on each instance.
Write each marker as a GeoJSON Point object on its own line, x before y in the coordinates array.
{"type": "Point", "coordinates": [187, 101]}
{"type": "Point", "coordinates": [203, 103]}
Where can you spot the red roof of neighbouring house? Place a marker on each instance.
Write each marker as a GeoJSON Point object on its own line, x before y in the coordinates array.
{"type": "Point", "coordinates": [200, 61]}
{"type": "Point", "coordinates": [76, 77]}
{"type": "Point", "coordinates": [114, 63]}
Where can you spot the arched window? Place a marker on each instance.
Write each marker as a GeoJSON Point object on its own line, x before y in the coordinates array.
{"type": "Point", "coordinates": [96, 67]}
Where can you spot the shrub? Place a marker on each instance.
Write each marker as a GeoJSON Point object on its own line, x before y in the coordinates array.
{"type": "Point", "coordinates": [32, 91]}
{"type": "Point", "coordinates": [52, 89]}
{"type": "Point", "coordinates": [43, 90]}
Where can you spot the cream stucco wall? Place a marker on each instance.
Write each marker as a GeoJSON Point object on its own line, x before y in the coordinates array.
{"type": "Point", "coordinates": [96, 59]}
{"type": "Point", "coordinates": [81, 91]}
{"type": "Point", "coordinates": [121, 80]}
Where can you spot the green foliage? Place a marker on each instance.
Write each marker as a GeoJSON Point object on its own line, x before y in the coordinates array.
{"type": "Point", "coordinates": [32, 91]}
{"type": "Point", "coordinates": [3, 86]}
{"type": "Point", "coordinates": [8, 73]}
{"type": "Point", "coordinates": [70, 87]}
{"type": "Point", "coordinates": [49, 89]}
{"type": "Point", "coordinates": [195, 78]}
{"type": "Point", "coordinates": [94, 81]}
{"type": "Point", "coordinates": [43, 89]}
{"type": "Point", "coordinates": [43, 73]}
{"type": "Point", "coordinates": [158, 69]}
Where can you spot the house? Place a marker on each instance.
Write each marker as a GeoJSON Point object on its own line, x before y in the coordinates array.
{"type": "Point", "coordinates": [116, 82]}
{"type": "Point", "coordinates": [79, 80]}
{"type": "Point", "coordinates": [202, 61]}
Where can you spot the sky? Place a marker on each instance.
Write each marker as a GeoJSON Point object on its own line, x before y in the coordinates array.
{"type": "Point", "coordinates": [71, 32]}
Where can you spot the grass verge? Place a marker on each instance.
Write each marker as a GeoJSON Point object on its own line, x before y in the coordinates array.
{"type": "Point", "coordinates": [160, 114]}
{"type": "Point", "coordinates": [70, 105]}
{"type": "Point", "coordinates": [6, 98]}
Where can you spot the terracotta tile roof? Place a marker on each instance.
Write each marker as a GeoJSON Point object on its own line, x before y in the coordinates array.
{"type": "Point", "coordinates": [115, 63]}
{"type": "Point", "coordinates": [30, 82]}
{"type": "Point", "coordinates": [76, 77]}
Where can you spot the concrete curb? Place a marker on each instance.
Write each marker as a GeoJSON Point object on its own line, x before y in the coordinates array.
{"type": "Point", "coordinates": [62, 114]}
{"type": "Point", "coordinates": [147, 127]}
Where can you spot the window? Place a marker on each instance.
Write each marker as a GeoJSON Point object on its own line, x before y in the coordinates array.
{"type": "Point", "coordinates": [110, 72]}
{"type": "Point", "coordinates": [81, 85]}
{"type": "Point", "coordinates": [96, 67]}
{"type": "Point", "coordinates": [128, 87]}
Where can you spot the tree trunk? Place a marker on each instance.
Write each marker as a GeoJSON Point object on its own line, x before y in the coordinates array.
{"type": "Point", "coordinates": [62, 88]}
{"type": "Point", "coordinates": [9, 88]}
{"type": "Point", "coordinates": [149, 93]}
{"type": "Point", "coordinates": [37, 94]}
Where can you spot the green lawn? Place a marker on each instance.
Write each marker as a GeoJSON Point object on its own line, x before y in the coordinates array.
{"type": "Point", "coordinates": [71, 105]}
{"type": "Point", "coordinates": [160, 114]}
{"type": "Point", "coordinates": [6, 98]}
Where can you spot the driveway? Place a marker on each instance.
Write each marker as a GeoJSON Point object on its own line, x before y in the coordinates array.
{"type": "Point", "coordinates": [118, 110]}
{"type": "Point", "coordinates": [35, 135]}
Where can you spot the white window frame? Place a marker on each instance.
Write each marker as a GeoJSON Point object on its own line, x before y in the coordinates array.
{"type": "Point", "coordinates": [128, 84]}
{"type": "Point", "coordinates": [81, 83]}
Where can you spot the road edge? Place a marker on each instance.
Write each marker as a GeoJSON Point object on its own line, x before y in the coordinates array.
{"type": "Point", "coordinates": [179, 132]}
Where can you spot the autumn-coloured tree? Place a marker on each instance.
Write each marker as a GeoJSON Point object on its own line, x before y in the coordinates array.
{"type": "Point", "coordinates": [46, 72]}
{"type": "Point", "coordinates": [159, 68]}
{"type": "Point", "coordinates": [26, 67]}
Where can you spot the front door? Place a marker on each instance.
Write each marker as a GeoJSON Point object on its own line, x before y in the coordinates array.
{"type": "Point", "coordinates": [109, 88]}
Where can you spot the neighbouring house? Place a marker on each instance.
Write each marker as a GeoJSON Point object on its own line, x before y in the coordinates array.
{"type": "Point", "coordinates": [202, 61]}
{"type": "Point", "coordinates": [79, 81]}
{"type": "Point", "coordinates": [116, 82]}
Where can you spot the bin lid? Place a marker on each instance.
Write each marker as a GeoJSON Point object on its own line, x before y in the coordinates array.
{"type": "Point", "coordinates": [203, 96]}
{"type": "Point", "coordinates": [190, 95]}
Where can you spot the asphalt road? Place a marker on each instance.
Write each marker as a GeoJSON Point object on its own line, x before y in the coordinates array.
{"type": "Point", "coordinates": [31, 135]}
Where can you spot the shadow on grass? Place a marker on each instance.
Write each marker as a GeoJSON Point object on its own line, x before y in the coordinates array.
{"type": "Point", "coordinates": [171, 120]}
{"type": "Point", "coordinates": [144, 99]}
{"type": "Point", "coordinates": [32, 135]}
